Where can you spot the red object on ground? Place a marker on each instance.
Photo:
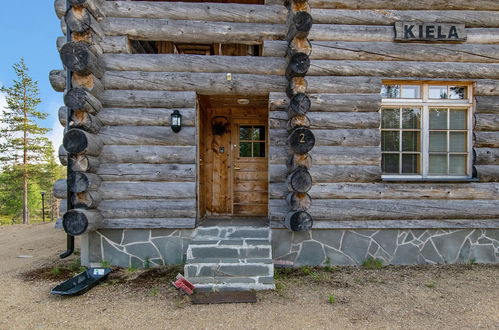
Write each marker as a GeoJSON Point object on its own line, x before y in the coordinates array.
{"type": "Point", "coordinates": [182, 284]}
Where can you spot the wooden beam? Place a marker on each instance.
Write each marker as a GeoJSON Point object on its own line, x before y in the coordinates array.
{"type": "Point", "coordinates": [487, 104]}
{"type": "Point", "coordinates": [486, 139]}
{"type": "Point", "coordinates": [145, 116]}
{"type": "Point", "coordinates": [333, 102]}
{"type": "Point", "coordinates": [150, 154]}
{"type": "Point", "coordinates": [488, 173]}
{"type": "Point", "coordinates": [336, 137]}
{"type": "Point", "coordinates": [148, 172]}
{"type": "Point", "coordinates": [332, 120]}
{"type": "Point", "coordinates": [148, 223]}
{"type": "Point", "coordinates": [89, 82]}
{"type": "Point", "coordinates": [148, 99]}
{"type": "Point", "coordinates": [147, 135]}
{"type": "Point", "coordinates": [79, 20]}
{"type": "Point", "coordinates": [151, 190]}
{"type": "Point", "coordinates": [486, 122]}
{"type": "Point", "coordinates": [193, 31]}
{"type": "Point", "coordinates": [400, 224]}
{"type": "Point", "coordinates": [81, 99]}
{"type": "Point", "coordinates": [487, 156]}
{"type": "Point", "coordinates": [147, 208]}
{"type": "Point", "coordinates": [94, 6]}
{"type": "Point", "coordinates": [406, 4]}
{"type": "Point", "coordinates": [343, 85]}
{"type": "Point", "coordinates": [332, 173]}
{"type": "Point", "coordinates": [77, 141]}
{"type": "Point", "coordinates": [81, 120]}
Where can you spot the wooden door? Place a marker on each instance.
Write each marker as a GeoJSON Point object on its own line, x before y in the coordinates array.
{"type": "Point", "coordinates": [250, 166]}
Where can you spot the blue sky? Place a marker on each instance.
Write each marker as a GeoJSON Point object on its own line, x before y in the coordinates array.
{"type": "Point", "coordinates": [30, 29]}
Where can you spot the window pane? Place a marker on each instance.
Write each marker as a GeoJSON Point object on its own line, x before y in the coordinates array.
{"type": "Point", "coordinates": [390, 91]}
{"type": "Point", "coordinates": [390, 163]}
{"type": "Point", "coordinates": [438, 141]}
{"type": "Point", "coordinates": [245, 132]}
{"type": "Point", "coordinates": [410, 141]}
{"type": "Point", "coordinates": [438, 92]}
{"type": "Point", "coordinates": [457, 164]}
{"type": "Point", "coordinates": [259, 133]}
{"type": "Point", "coordinates": [410, 163]}
{"type": "Point", "coordinates": [411, 118]}
{"type": "Point", "coordinates": [438, 118]}
{"type": "Point", "coordinates": [458, 92]}
{"type": "Point", "coordinates": [259, 149]}
{"type": "Point", "coordinates": [390, 141]}
{"type": "Point", "coordinates": [457, 141]}
{"type": "Point", "coordinates": [245, 149]}
{"type": "Point", "coordinates": [438, 164]}
{"type": "Point", "coordinates": [411, 92]}
{"type": "Point", "coordinates": [457, 119]}
{"type": "Point", "coordinates": [390, 118]}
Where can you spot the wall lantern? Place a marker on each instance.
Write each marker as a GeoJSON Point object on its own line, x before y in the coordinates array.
{"type": "Point", "coordinates": [176, 121]}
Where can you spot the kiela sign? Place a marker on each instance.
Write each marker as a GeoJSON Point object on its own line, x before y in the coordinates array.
{"type": "Point", "coordinates": [430, 32]}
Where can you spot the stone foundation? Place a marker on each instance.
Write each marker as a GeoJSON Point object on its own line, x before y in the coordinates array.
{"type": "Point", "coordinates": [137, 248]}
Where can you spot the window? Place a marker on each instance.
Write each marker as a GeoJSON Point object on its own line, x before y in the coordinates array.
{"type": "Point", "coordinates": [252, 141]}
{"type": "Point", "coordinates": [426, 130]}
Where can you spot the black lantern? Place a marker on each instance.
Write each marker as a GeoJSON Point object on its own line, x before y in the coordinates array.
{"type": "Point", "coordinates": [176, 121]}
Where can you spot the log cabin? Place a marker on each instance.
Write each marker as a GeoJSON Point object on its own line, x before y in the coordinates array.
{"type": "Point", "coordinates": [234, 136]}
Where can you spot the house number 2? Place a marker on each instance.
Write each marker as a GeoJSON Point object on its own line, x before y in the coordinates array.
{"type": "Point", "coordinates": [302, 138]}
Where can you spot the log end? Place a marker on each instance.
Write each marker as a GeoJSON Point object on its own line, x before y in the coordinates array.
{"type": "Point", "coordinates": [301, 140]}
{"type": "Point", "coordinates": [75, 222]}
{"type": "Point", "coordinates": [298, 221]}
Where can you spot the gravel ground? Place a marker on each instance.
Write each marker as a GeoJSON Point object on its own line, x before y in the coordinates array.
{"type": "Point", "coordinates": [419, 297]}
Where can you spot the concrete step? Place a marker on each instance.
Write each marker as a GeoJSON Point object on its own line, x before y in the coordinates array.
{"type": "Point", "coordinates": [192, 270]}
{"type": "Point", "coordinates": [232, 280]}
{"type": "Point", "coordinates": [229, 260]}
{"type": "Point", "coordinates": [229, 251]}
{"type": "Point", "coordinates": [233, 232]}
{"type": "Point", "coordinates": [233, 287]}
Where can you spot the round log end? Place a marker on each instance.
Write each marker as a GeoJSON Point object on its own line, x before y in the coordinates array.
{"type": "Point", "coordinates": [299, 104]}
{"type": "Point", "coordinates": [301, 140]}
{"type": "Point", "coordinates": [75, 98]}
{"type": "Point", "coordinates": [303, 21]}
{"type": "Point", "coordinates": [78, 182]}
{"type": "Point", "coordinates": [78, 23]}
{"type": "Point", "coordinates": [298, 65]}
{"type": "Point", "coordinates": [299, 201]}
{"type": "Point", "coordinates": [298, 221]}
{"type": "Point", "coordinates": [75, 222]}
{"type": "Point", "coordinates": [299, 180]}
{"type": "Point", "coordinates": [75, 141]}
{"type": "Point", "coordinates": [76, 56]}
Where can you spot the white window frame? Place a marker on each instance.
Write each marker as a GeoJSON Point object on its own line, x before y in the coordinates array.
{"type": "Point", "coordinates": [425, 103]}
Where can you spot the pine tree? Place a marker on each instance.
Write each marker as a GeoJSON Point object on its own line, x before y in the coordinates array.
{"type": "Point", "coordinates": [23, 142]}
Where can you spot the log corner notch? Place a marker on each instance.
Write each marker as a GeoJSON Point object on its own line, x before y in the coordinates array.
{"type": "Point", "coordinates": [79, 221]}
{"type": "Point", "coordinates": [301, 139]}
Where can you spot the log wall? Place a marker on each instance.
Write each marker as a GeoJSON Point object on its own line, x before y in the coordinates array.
{"type": "Point", "coordinates": [149, 173]}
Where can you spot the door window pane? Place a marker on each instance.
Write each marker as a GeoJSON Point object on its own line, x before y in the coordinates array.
{"type": "Point", "coordinates": [259, 133]}
{"type": "Point", "coordinates": [457, 119]}
{"type": "Point", "coordinates": [457, 141]}
{"type": "Point", "coordinates": [390, 141]}
{"type": "Point", "coordinates": [245, 132]}
{"type": "Point", "coordinates": [438, 92]}
{"type": "Point", "coordinates": [411, 91]}
{"type": "Point", "coordinates": [245, 149]}
{"type": "Point", "coordinates": [438, 118]}
{"type": "Point", "coordinates": [390, 118]}
{"type": "Point", "coordinates": [390, 163]}
{"type": "Point", "coordinates": [438, 142]}
{"type": "Point", "coordinates": [438, 164]}
{"type": "Point", "coordinates": [411, 118]}
{"type": "Point", "coordinates": [457, 165]}
{"type": "Point", "coordinates": [410, 163]}
{"type": "Point", "coordinates": [458, 92]}
{"type": "Point", "coordinates": [259, 149]}
{"type": "Point", "coordinates": [410, 141]}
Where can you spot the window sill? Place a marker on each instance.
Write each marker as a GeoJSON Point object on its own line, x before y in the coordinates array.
{"type": "Point", "coordinates": [393, 178]}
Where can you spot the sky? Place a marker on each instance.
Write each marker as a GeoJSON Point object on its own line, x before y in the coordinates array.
{"type": "Point", "coordinates": [30, 29]}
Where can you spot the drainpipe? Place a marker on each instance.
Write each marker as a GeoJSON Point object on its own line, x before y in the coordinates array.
{"type": "Point", "coordinates": [70, 240]}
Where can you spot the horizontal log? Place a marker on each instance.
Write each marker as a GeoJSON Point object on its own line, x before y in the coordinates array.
{"type": "Point", "coordinates": [149, 99]}
{"type": "Point", "coordinates": [193, 31]}
{"type": "Point", "coordinates": [60, 189]}
{"type": "Point", "coordinates": [79, 58]}
{"type": "Point", "coordinates": [390, 51]}
{"type": "Point", "coordinates": [333, 155]}
{"type": "Point", "coordinates": [486, 87]}
{"type": "Point", "coordinates": [239, 13]}
{"type": "Point", "coordinates": [332, 173]}
{"type": "Point", "coordinates": [343, 85]}
{"type": "Point", "coordinates": [406, 4]}
{"type": "Point", "coordinates": [79, 163]}
{"type": "Point", "coordinates": [79, 98]}
{"type": "Point", "coordinates": [404, 69]}
{"type": "Point", "coordinates": [148, 223]}
{"type": "Point", "coordinates": [336, 137]}
{"type": "Point", "coordinates": [487, 104]}
{"type": "Point", "coordinates": [400, 224]}
{"type": "Point", "coordinates": [77, 141]}
{"type": "Point", "coordinates": [149, 190]}
{"type": "Point", "coordinates": [89, 82]}
{"type": "Point", "coordinates": [150, 154]}
{"type": "Point", "coordinates": [80, 20]}
{"type": "Point", "coordinates": [87, 200]}
{"type": "Point", "coordinates": [194, 63]}
{"type": "Point", "coordinates": [202, 83]}
{"type": "Point", "coordinates": [472, 18]}
{"type": "Point", "coordinates": [486, 139]}
{"type": "Point", "coordinates": [377, 33]}
{"type": "Point", "coordinates": [392, 209]}
{"type": "Point", "coordinates": [486, 122]}
{"type": "Point", "coordinates": [143, 208]}
{"type": "Point", "coordinates": [79, 221]}
{"type": "Point", "coordinates": [332, 102]}
{"type": "Point", "coordinates": [333, 120]}
{"type": "Point", "coordinates": [148, 135]}
{"type": "Point", "coordinates": [60, 8]}
{"type": "Point", "coordinates": [81, 120]}
{"type": "Point", "coordinates": [488, 173]}
{"type": "Point", "coordinates": [145, 116]}
{"type": "Point", "coordinates": [94, 6]}
{"type": "Point", "coordinates": [116, 45]}
{"type": "Point", "coordinates": [383, 190]}
{"type": "Point", "coordinates": [80, 182]}
{"type": "Point", "coordinates": [487, 156]}
{"type": "Point", "coordinates": [148, 172]}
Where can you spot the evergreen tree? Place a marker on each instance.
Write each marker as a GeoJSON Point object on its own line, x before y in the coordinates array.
{"type": "Point", "coordinates": [23, 141]}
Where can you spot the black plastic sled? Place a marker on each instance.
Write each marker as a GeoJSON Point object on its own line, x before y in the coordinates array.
{"type": "Point", "coordinates": [82, 282]}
